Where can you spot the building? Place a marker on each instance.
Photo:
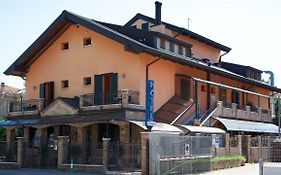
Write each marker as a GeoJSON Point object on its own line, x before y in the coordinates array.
{"type": "Point", "coordinates": [8, 97]}
{"type": "Point", "coordinates": [86, 79]}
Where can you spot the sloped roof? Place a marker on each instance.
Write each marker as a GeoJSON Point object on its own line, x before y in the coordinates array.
{"type": "Point", "coordinates": [9, 89]}
{"type": "Point", "coordinates": [180, 30]}
{"type": "Point", "coordinates": [19, 67]}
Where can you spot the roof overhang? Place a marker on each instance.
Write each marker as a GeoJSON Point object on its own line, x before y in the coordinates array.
{"type": "Point", "coordinates": [248, 126]}
{"type": "Point", "coordinates": [158, 127]}
{"type": "Point", "coordinates": [202, 129]}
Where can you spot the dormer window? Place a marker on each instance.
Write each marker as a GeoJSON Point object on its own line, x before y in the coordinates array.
{"type": "Point", "coordinates": [180, 50]}
{"type": "Point", "coordinates": [87, 41]}
{"type": "Point", "coordinates": [172, 47]}
{"type": "Point", "coordinates": [145, 26]}
{"type": "Point", "coordinates": [64, 46]}
{"type": "Point", "coordinates": [162, 43]}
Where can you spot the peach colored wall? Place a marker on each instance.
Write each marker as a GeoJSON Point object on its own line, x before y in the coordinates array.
{"type": "Point", "coordinates": [235, 83]}
{"type": "Point", "coordinates": [103, 56]}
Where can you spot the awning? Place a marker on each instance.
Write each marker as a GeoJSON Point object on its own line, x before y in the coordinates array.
{"type": "Point", "coordinates": [20, 122]}
{"type": "Point", "coordinates": [159, 126]}
{"type": "Point", "coordinates": [247, 126]}
{"type": "Point", "coordinates": [202, 129]}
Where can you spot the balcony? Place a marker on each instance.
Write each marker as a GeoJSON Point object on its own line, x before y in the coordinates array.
{"type": "Point", "coordinates": [122, 99]}
{"type": "Point", "coordinates": [234, 111]}
{"type": "Point", "coordinates": [26, 107]}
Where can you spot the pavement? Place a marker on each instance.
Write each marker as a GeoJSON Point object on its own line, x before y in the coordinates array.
{"type": "Point", "coordinates": [248, 169]}
{"type": "Point", "coordinates": [39, 172]}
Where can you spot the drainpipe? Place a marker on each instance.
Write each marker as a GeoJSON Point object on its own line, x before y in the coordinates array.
{"type": "Point", "coordinates": [146, 78]}
{"type": "Point", "coordinates": [223, 55]}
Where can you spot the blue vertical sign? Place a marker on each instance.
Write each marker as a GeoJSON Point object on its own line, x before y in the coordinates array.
{"type": "Point", "coordinates": [149, 105]}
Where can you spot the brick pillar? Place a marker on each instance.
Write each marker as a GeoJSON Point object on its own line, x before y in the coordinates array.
{"type": "Point", "coordinates": [125, 97]}
{"type": "Point", "coordinates": [125, 139]}
{"type": "Point", "coordinates": [20, 151]}
{"type": "Point", "coordinates": [144, 151]}
{"type": "Point", "coordinates": [227, 146]}
{"type": "Point", "coordinates": [81, 141]}
{"type": "Point", "coordinates": [247, 147]}
{"type": "Point", "coordinates": [105, 151]}
{"type": "Point", "coordinates": [62, 150]}
{"type": "Point", "coordinates": [260, 147]}
{"type": "Point", "coordinates": [239, 137]}
{"type": "Point", "coordinates": [10, 138]}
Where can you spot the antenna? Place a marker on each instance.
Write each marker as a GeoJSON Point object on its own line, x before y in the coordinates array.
{"type": "Point", "coordinates": [189, 21]}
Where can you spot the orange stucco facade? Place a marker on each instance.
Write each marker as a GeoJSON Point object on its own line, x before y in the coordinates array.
{"type": "Point", "coordinates": [106, 56]}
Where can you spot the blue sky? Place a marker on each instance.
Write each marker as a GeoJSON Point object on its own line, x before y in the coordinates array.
{"type": "Point", "coordinates": [251, 28]}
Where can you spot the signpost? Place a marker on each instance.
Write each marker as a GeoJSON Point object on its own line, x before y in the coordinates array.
{"type": "Point", "coordinates": [149, 107]}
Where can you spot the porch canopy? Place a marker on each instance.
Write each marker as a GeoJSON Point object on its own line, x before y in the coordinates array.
{"type": "Point", "coordinates": [159, 126]}
{"type": "Point", "coordinates": [202, 129]}
{"type": "Point", "coordinates": [248, 126]}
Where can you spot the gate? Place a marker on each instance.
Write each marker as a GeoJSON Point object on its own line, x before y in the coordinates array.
{"type": "Point", "coordinates": [124, 155]}
{"type": "Point", "coordinates": [174, 154]}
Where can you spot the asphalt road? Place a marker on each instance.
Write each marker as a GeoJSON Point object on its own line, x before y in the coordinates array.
{"type": "Point", "coordinates": [39, 172]}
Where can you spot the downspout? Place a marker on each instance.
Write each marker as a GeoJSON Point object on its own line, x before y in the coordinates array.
{"type": "Point", "coordinates": [223, 55]}
{"type": "Point", "coordinates": [146, 78]}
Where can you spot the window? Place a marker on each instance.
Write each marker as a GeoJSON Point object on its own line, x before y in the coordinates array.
{"type": "Point", "coordinates": [64, 84]}
{"type": "Point", "coordinates": [213, 90]}
{"type": "Point", "coordinates": [172, 47]}
{"type": "Point", "coordinates": [87, 81]}
{"type": "Point", "coordinates": [180, 50]}
{"type": "Point", "coordinates": [87, 41]}
{"type": "Point", "coordinates": [145, 26]}
{"type": "Point", "coordinates": [187, 52]}
{"type": "Point", "coordinates": [65, 46]}
{"type": "Point", "coordinates": [203, 88]}
{"type": "Point", "coordinates": [162, 43]}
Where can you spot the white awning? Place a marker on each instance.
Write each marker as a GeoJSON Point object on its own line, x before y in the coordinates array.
{"type": "Point", "coordinates": [159, 126]}
{"type": "Point", "coordinates": [202, 129]}
{"type": "Point", "coordinates": [247, 126]}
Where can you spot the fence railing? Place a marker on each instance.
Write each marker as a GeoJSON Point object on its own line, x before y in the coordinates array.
{"type": "Point", "coordinates": [26, 105]}
{"type": "Point", "coordinates": [8, 154]}
{"type": "Point", "coordinates": [119, 97]}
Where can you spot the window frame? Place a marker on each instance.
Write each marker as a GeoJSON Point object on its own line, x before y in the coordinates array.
{"type": "Point", "coordinates": [85, 41]}
{"type": "Point", "coordinates": [85, 80]}
{"type": "Point", "coordinates": [65, 46]}
{"type": "Point", "coordinates": [64, 84]}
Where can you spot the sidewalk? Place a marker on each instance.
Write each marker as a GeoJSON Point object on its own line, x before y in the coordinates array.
{"type": "Point", "coordinates": [248, 169]}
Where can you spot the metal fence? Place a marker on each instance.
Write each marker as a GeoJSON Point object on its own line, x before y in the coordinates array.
{"type": "Point", "coordinates": [174, 154]}
{"type": "Point", "coordinates": [121, 155]}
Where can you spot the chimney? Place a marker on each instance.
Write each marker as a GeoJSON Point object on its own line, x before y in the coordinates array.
{"type": "Point", "coordinates": [158, 12]}
{"type": "Point", "coordinates": [2, 86]}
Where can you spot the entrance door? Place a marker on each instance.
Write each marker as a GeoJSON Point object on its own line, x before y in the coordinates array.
{"type": "Point", "coordinates": [185, 88]}
{"type": "Point", "coordinates": [46, 92]}
{"type": "Point", "coordinates": [235, 97]}
{"type": "Point", "coordinates": [222, 95]}
{"type": "Point", "coordinates": [106, 88]}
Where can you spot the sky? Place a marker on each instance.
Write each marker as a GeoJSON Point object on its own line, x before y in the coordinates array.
{"type": "Point", "coordinates": [250, 27]}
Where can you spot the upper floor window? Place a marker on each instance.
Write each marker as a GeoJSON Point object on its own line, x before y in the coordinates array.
{"type": "Point", "coordinates": [162, 43]}
{"type": "Point", "coordinates": [64, 46]}
{"type": "Point", "coordinates": [64, 84]}
{"type": "Point", "coordinates": [180, 50]}
{"type": "Point", "coordinates": [145, 26]}
{"type": "Point", "coordinates": [87, 81]}
{"type": "Point", "coordinates": [172, 47]}
{"type": "Point", "coordinates": [87, 41]}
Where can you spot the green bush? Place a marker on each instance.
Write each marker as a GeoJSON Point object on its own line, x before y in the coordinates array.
{"type": "Point", "coordinates": [223, 158]}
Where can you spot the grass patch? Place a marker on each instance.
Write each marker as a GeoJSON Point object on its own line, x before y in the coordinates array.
{"type": "Point", "coordinates": [224, 158]}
